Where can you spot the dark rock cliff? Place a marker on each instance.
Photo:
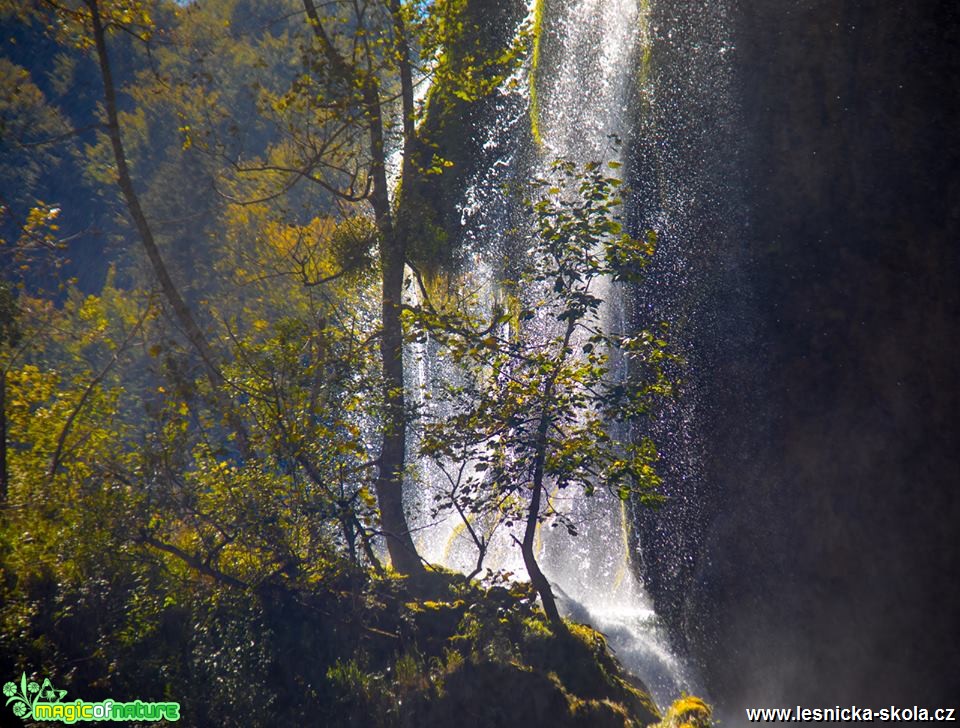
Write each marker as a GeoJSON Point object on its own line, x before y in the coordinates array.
{"type": "Point", "coordinates": [825, 565]}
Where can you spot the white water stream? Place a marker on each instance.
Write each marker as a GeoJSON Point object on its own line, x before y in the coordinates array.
{"type": "Point", "coordinates": [592, 50]}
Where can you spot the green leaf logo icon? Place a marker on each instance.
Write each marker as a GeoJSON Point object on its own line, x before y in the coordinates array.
{"type": "Point", "coordinates": [28, 693]}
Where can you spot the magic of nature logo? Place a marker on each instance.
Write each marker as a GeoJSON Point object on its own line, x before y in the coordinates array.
{"type": "Point", "coordinates": [31, 700]}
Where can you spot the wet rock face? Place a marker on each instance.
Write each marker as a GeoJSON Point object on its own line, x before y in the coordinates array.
{"type": "Point", "coordinates": [828, 570]}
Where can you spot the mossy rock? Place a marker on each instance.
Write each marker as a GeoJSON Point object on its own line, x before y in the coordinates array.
{"type": "Point", "coordinates": [465, 655]}
{"type": "Point", "coordinates": [600, 714]}
{"type": "Point", "coordinates": [583, 663]}
{"type": "Point", "coordinates": [497, 694]}
{"type": "Point", "coordinates": [430, 624]}
{"type": "Point", "coordinates": [687, 712]}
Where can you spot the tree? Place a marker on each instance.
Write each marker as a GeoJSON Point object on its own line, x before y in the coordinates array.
{"type": "Point", "coordinates": [203, 522]}
{"type": "Point", "coordinates": [353, 106]}
{"type": "Point", "coordinates": [337, 123]}
{"type": "Point", "coordinates": [541, 402]}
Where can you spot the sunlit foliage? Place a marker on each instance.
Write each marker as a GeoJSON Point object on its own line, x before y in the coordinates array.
{"type": "Point", "coordinates": [204, 438]}
{"type": "Point", "coordinates": [542, 409]}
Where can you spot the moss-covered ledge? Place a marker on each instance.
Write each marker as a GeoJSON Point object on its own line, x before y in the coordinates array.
{"type": "Point", "coordinates": [469, 655]}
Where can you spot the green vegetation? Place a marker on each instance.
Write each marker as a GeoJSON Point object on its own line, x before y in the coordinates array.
{"type": "Point", "coordinates": [687, 712]}
{"type": "Point", "coordinates": [344, 650]}
{"type": "Point", "coordinates": [537, 411]}
{"type": "Point", "coordinates": [204, 441]}
{"type": "Point", "coordinates": [535, 59]}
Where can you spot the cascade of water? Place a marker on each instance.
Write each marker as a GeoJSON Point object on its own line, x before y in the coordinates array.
{"type": "Point", "coordinates": [585, 83]}
{"type": "Point", "coordinates": [584, 111]}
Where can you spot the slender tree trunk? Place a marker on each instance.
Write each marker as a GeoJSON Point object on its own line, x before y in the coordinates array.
{"type": "Point", "coordinates": [170, 291]}
{"type": "Point", "coordinates": [393, 259]}
{"type": "Point", "coordinates": [389, 483]}
{"type": "Point", "coordinates": [401, 45]}
{"type": "Point", "coordinates": [539, 581]}
{"type": "Point", "coordinates": [537, 578]}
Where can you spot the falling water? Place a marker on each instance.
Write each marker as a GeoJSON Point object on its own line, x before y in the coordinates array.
{"type": "Point", "coordinates": [600, 51]}
{"type": "Point", "coordinates": [593, 89]}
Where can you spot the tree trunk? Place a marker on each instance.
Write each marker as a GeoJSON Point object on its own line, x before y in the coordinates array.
{"type": "Point", "coordinates": [537, 578]}
{"type": "Point", "coordinates": [171, 293]}
{"type": "Point", "coordinates": [539, 581]}
{"type": "Point", "coordinates": [389, 483]}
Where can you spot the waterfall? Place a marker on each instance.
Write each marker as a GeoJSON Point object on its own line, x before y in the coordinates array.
{"type": "Point", "coordinates": [590, 72]}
